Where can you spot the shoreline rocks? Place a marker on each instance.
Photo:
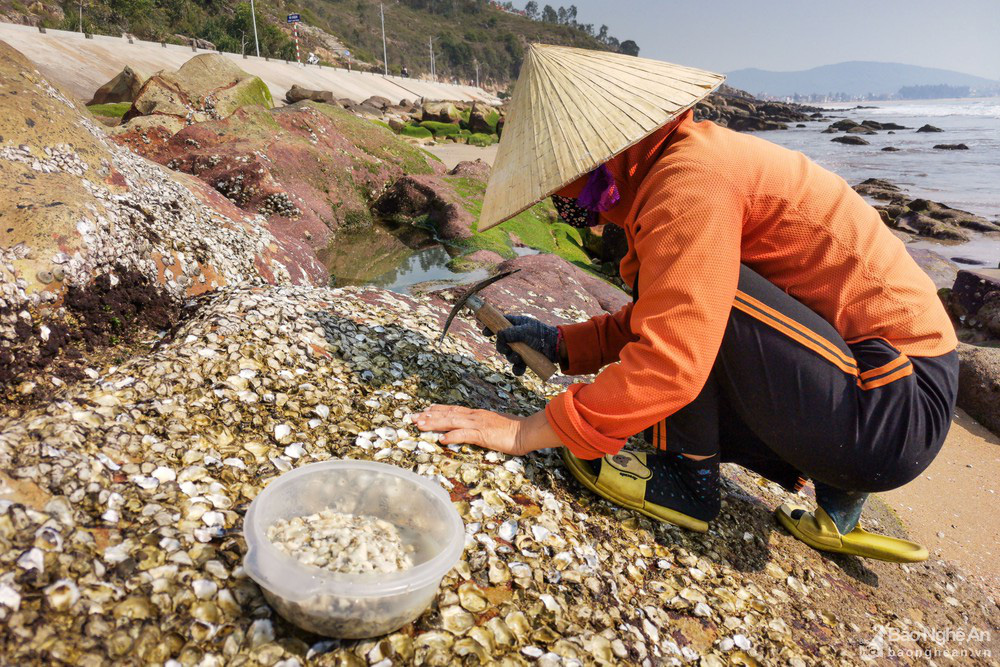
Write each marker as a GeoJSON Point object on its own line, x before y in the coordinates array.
{"type": "Point", "coordinates": [851, 140]}
{"type": "Point", "coordinates": [922, 217]}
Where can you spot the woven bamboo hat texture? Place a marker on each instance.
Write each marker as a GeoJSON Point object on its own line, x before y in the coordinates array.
{"type": "Point", "coordinates": [573, 110]}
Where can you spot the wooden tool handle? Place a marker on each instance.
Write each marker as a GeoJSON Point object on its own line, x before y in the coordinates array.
{"type": "Point", "coordinates": [535, 360]}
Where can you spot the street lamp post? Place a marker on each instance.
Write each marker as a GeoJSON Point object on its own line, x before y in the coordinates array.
{"type": "Point", "coordinates": [253, 17]}
{"type": "Point", "coordinates": [430, 42]}
{"type": "Point", "coordinates": [385, 53]}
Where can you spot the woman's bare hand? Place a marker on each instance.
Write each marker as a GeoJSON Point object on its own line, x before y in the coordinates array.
{"type": "Point", "coordinates": [509, 434]}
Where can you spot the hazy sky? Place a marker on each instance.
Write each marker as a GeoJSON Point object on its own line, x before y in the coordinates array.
{"type": "Point", "coordinates": [725, 35]}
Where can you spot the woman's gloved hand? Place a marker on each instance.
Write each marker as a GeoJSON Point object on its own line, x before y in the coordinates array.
{"type": "Point", "coordinates": [538, 335]}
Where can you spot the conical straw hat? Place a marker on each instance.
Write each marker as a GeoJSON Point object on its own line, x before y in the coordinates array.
{"type": "Point", "coordinates": [573, 110]}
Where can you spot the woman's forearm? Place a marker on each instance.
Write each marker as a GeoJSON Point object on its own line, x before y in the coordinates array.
{"type": "Point", "coordinates": [536, 433]}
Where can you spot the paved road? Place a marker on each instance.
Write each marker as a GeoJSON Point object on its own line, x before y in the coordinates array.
{"type": "Point", "coordinates": [82, 65]}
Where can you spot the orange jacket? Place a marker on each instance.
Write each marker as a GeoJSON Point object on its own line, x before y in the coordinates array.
{"type": "Point", "coordinates": [698, 199]}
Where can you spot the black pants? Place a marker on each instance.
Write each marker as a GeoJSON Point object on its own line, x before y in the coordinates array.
{"type": "Point", "coordinates": [789, 399]}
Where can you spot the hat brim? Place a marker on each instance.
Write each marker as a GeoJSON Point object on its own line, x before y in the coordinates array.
{"type": "Point", "coordinates": [575, 109]}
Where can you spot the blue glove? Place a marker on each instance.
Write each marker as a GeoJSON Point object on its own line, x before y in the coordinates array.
{"type": "Point", "coordinates": [531, 332]}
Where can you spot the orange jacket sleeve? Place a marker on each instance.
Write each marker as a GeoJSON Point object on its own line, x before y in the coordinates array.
{"type": "Point", "coordinates": [687, 234]}
{"type": "Point", "coordinates": [592, 345]}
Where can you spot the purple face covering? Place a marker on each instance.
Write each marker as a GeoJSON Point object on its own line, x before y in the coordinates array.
{"type": "Point", "coordinates": [599, 194]}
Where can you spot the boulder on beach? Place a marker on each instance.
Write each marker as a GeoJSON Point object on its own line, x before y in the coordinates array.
{"type": "Point", "coordinates": [861, 129]}
{"type": "Point", "coordinates": [850, 139]}
{"type": "Point", "coordinates": [890, 149]}
{"type": "Point", "coordinates": [378, 102]}
{"type": "Point", "coordinates": [951, 147]}
{"type": "Point", "coordinates": [918, 223]}
{"type": "Point", "coordinates": [206, 86]}
{"type": "Point", "coordinates": [124, 87]}
{"type": "Point", "coordinates": [440, 112]}
{"type": "Point", "coordinates": [979, 384]}
{"type": "Point", "coordinates": [297, 94]}
{"type": "Point", "coordinates": [975, 290]}
{"type": "Point", "coordinates": [483, 119]}
{"type": "Point", "coordinates": [953, 216]}
{"type": "Point", "coordinates": [843, 125]}
{"type": "Point", "coordinates": [929, 128]}
{"type": "Point", "coordinates": [938, 267]}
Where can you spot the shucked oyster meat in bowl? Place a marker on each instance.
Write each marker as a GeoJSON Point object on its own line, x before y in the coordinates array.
{"type": "Point", "coordinates": [351, 549]}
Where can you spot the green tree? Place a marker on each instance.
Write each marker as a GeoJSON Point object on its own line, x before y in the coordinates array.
{"type": "Point", "coordinates": [629, 48]}
{"type": "Point", "coordinates": [531, 10]}
{"type": "Point", "coordinates": [549, 15]}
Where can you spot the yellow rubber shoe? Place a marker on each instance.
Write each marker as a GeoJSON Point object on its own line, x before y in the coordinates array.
{"type": "Point", "coordinates": [622, 480]}
{"type": "Point", "coordinates": [819, 531]}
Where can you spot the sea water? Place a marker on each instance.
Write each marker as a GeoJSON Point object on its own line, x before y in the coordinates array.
{"type": "Point", "coordinates": [968, 180]}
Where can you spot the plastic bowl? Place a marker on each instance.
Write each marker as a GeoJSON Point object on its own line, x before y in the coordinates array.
{"type": "Point", "coordinates": [354, 605]}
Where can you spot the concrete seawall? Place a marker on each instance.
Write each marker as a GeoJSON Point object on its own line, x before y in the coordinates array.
{"type": "Point", "coordinates": [83, 64]}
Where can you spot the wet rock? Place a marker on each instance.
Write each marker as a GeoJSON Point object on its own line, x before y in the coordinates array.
{"type": "Point", "coordinates": [925, 225]}
{"type": "Point", "coordinates": [974, 290]}
{"type": "Point", "coordinates": [843, 125]}
{"type": "Point", "coordinates": [297, 94]}
{"type": "Point", "coordinates": [929, 128]}
{"type": "Point", "coordinates": [940, 269]}
{"type": "Point", "coordinates": [427, 195]}
{"type": "Point", "coordinates": [124, 87]}
{"type": "Point", "coordinates": [922, 216]}
{"type": "Point", "coordinates": [979, 384]}
{"type": "Point", "coordinates": [952, 216]}
{"type": "Point", "coordinates": [890, 149]}
{"type": "Point", "coordinates": [851, 140]}
{"type": "Point", "coordinates": [879, 188]}
{"type": "Point", "coordinates": [861, 129]}
{"type": "Point", "coordinates": [951, 147]}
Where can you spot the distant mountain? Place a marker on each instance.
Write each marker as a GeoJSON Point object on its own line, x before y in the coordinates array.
{"type": "Point", "coordinates": [852, 79]}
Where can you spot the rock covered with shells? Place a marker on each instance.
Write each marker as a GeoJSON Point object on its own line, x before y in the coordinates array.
{"type": "Point", "coordinates": [122, 508]}
{"type": "Point", "coordinates": [76, 206]}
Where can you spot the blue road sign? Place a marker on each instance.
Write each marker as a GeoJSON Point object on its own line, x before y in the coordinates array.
{"type": "Point", "coordinates": [294, 18]}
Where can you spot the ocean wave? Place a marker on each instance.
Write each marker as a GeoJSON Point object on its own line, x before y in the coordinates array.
{"type": "Point", "coordinates": [983, 109]}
